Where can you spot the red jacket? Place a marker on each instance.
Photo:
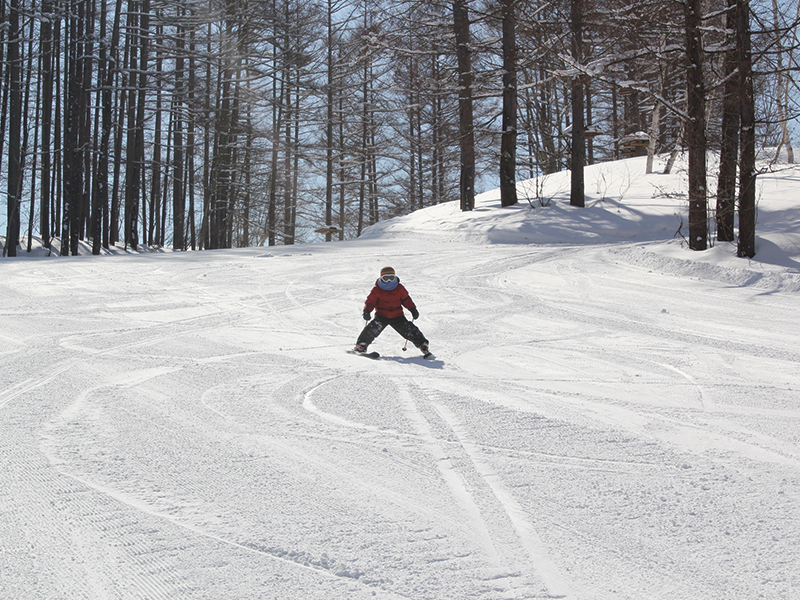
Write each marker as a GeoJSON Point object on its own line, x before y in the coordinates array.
{"type": "Point", "coordinates": [389, 303]}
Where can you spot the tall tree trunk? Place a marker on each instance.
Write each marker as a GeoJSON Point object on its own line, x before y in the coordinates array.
{"type": "Point", "coordinates": [277, 116]}
{"type": "Point", "coordinates": [615, 119]}
{"type": "Point", "coordinates": [248, 177]}
{"type": "Point", "coordinates": [223, 169]}
{"type": "Point", "coordinates": [124, 95]}
{"type": "Point", "coordinates": [220, 172]}
{"type": "Point", "coordinates": [14, 171]}
{"type": "Point", "coordinates": [288, 238]}
{"type": "Point", "coordinates": [372, 178]}
{"type": "Point", "coordinates": [295, 168]}
{"type": "Point", "coordinates": [342, 171]}
{"type": "Point", "coordinates": [411, 115]}
{"type": "Point", "coordinates": [156, 197]}
{"type": "Point", "coordinates": [73, 156]}
{"type": "Point", "coordinates": [35, 154]}
{"type": "Point", "coordinates": [577, 196]}
{"type": "Point", "coordinates": [747, 166]}
{"type": "Point", "coordinates": [729, 148]}
{"type": "Point", "coordinates": [57, 189]}
{"type": "Point", "coordinates": [438, 142]}
{"type": "Point", "coordinates": [178, 199]}
{"type": "Point", "coordinates": [589, 122]}
{"type": "Point", "coordinates": [46, 49]}
{"type": "Point", "coordinates": [132, 164]}
{"type": "Point", "coordinates": [365, 129]}
{"type": "Point", "coordinates": [190, 144]}
{"type": "Point", "coordinates": [144, 57]}
{"type": "Point", "coordinates": [4, 97]}
{"type": "Point", "coordinates": [105, 75]}
{"type": "Point", "coordinates": [87, 21]}
{"type": "Point", "coordinates": [466, 131]}
{"type": "Point", "coordinates": [695, 128]}
{"type": "Point", "coordinates": [166, 175]}
{"type": "Point", "coordinates": [508, 140]}
{"type": "Point", "coordinates": [420, 145]}
{"type": "Point", "coordinates": [235, 171]}
{"type": "Point", "coordinates": [205, 228]}
{"type": "Point", "coordinates": [329, 126]}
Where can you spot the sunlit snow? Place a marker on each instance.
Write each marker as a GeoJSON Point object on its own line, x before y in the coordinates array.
{"type": "Point", "coordinates": [609, 414]}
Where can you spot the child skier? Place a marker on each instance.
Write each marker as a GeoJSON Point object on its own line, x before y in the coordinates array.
{"type": "Point", "coordinates": [387, 298]}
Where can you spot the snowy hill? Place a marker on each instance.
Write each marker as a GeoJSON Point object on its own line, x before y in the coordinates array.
{"type": "Point", "coordinates": [623, 205]}
{"type": "Point", "coordinates": [609, 415]}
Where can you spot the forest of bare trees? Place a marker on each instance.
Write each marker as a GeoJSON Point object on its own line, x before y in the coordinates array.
{"type": "Point", "coordinates": [232, 123]}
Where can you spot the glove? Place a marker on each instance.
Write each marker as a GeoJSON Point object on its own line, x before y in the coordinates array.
{"type": "Point", "coordinates": [367, 314]}
{"type": "Point", "coordinates": [414, 313]}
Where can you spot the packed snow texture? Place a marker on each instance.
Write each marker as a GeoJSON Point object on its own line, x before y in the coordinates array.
{"type": "Point", "coordinates": [609, 415]}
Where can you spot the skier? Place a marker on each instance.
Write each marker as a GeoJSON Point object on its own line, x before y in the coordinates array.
{"type": "Point", "coordinates": [387, 298]}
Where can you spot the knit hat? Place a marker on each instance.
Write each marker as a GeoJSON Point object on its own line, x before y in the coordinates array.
{"type": "Point", "coordinates": [387, 271]}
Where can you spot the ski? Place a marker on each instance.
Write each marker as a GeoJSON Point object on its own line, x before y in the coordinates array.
{"type": "Point", "coordinates": [372, 355]}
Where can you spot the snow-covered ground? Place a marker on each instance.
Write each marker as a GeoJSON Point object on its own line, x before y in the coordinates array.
{"type": "Point", "coordinates": [609, 416]}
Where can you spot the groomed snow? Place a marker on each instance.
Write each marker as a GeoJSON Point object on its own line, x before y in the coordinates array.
{"type": "Point", "coordinates": [609, 415]}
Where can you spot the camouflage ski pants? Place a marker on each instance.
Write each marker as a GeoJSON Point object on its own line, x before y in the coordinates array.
{"type": "Point", "coordinates": [401, 325]}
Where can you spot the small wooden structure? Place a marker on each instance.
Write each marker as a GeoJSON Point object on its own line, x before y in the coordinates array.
{"type": "Point", "coordinates": [591, 132]}
{"type": "Point", "coordinates": [633, 144]}
{"type": "Point", "coordinates": [333, 230]}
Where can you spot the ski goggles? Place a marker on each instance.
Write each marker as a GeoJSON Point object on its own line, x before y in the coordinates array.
{"type": "Point", "coordinates": [388, 278]}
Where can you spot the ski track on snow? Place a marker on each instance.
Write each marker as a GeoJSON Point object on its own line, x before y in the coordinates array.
{"type": "Point", "coordinates": [556, 584]}
{"type": "Point", "coordinates": [441, 452]}
{"type": "Point", "coordinates": [145, 571]}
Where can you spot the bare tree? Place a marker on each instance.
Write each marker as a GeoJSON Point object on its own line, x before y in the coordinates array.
{"type": "Point", "coordinates": [48, 84]}
{"type": "Point", "coordinates": [508, 144]}
{"type": "Point", "coordinates": [696, 126]}
{"type": "Point", "coordinates": [15, 158]}
{"type": "Point", "coordinates": [177, 118]}
{"type": "Point", "coordinates": [747, 140]}
{"type": "Point", "coordinates": [466, 126]}
{"type": "Point", "coordinates": [329, 63]}
{"type": "Point", "coordinates": [577, 195]}
{"type": "Point", "coordinates": [729, 147]}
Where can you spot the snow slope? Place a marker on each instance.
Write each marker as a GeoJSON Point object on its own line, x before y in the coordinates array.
{"type": "Point", "coordinates": [609, 416]}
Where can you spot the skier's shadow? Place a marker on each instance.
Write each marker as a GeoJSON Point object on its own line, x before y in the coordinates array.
{"type": "Point", "coordinates": [416, 360]}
